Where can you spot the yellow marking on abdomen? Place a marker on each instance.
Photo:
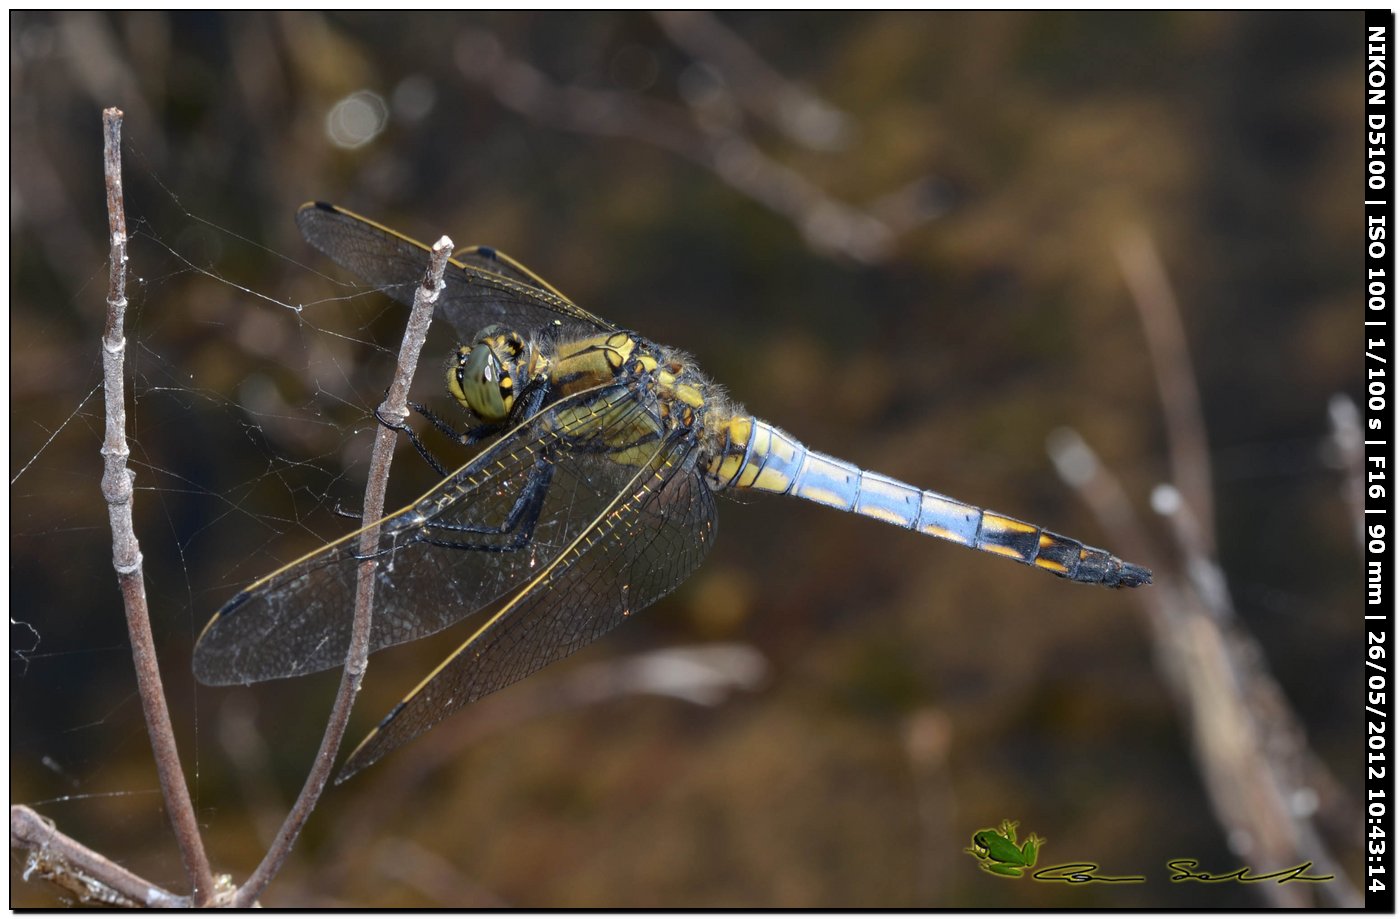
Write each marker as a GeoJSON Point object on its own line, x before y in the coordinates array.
{"type": "Point", "coordinates": [992, 521]}
{"type": "Point", "coordinates": [885, 514]}
{"type": "Point", "coordinates": [946, 512]}
{"type": "Point", "coordinates": [931, 530]}
{"type": "Point", "coordinates": [883, 498]}
{"type": "Point", "coordinates": [821, 496]}
{"type": "Point", "coordinates": [827, 480]}
{"type": "Point", "coordinates": [771, 480]}
{"type": "Point", "coordinates": [775, 461]}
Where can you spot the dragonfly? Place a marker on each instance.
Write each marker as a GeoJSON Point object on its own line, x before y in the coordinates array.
{"type": "Point", "coordinates": [592, 497]}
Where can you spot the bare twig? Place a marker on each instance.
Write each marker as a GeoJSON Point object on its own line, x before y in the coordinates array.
{"type": "Point", "coordinates": [829, 226]}
{"type": "Point", "coordinates": [89, 876]}
{"type": "Point", "coordinates": [126, 551]}
{"type": "Point", "coordinates": [394, 409]}
{"type": "Point", "coordinates": [65, 862]}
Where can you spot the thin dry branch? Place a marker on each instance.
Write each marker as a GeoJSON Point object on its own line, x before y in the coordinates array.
{"type": "Point", "coordinates": [395, 410]}
{"type": "Point", "coordinates": [53, 855]}
{"type": "Point", "coordinates": [91, 877]}
{"type": "Point", "coordinates": [126, 551]}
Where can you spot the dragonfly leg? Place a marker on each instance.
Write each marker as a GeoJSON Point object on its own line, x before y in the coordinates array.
{"type": "Point", "coordinates": [465, 438]}
{"type": "Point", "coordinates": [437, 420]}
{"type": "Point", "coordinates": [532, 398]}
{"type": "Point", "coordinates": [413, 438]}
{"type": "Point", "coordinates": [340, 510]}
{"type": "Point", "coordinates": [519, 523]}
{"type": "Point", "coordinates": [471, 435]}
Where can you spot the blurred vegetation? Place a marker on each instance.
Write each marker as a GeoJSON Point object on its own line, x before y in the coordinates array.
{"type": "Point", "coordinates": [918, 692]}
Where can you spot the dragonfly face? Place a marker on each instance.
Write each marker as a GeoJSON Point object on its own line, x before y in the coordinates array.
{"type": "Point", "coordinates": [485, 377]}
{"type": "Point", "coordinates": [593, 499]}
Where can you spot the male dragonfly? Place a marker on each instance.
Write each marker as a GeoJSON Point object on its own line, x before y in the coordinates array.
{"type": "Point", "coordinates": [594, 499]}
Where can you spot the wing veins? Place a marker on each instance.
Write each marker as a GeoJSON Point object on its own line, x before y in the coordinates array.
{"type": "Point", "coordinates": [652, 479]}
{"type": "Point", "coordinates": [272, 597]}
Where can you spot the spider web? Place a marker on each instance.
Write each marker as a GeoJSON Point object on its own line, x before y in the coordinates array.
{"type": "Point", "coordinates": [251, 380]}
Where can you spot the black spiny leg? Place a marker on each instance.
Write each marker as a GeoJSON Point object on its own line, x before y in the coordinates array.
{"type": "Point", "coordinates": [465, 438]}
{"type": "Point", "coordinates": [531, 399]}
{"type": "Point", "coordinates": [413, 438]}
{"type": "Point", "coordinates": [519, 523]}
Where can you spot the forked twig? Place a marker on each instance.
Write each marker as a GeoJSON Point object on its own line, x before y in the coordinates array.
{"type": "Point", "coordinates": [126, 551]}
{"type": "Point", "coordinates": [393, 409]}
{"type": "Point", "coordinates": [88, 875]}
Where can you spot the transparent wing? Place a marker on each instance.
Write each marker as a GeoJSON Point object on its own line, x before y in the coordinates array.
{"type": "Point", "coordinates": [483, 286]}
{"type": "Point", "coordinates": [479, 534]}
{"type": "Point", "coordinates": [491, 259]}
{"type": "Point", "coordinates": [638, 550]}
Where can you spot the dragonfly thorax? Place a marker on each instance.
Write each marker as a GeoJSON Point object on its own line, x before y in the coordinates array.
{"type": "Point", "coordinates": [485, 377]}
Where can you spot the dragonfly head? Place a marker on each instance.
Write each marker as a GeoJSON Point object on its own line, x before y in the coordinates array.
{"type": "Point", "coordinates": [485, 377]}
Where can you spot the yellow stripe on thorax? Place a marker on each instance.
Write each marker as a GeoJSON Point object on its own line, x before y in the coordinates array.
{"type": "Point", "coordinates": [586, 362]}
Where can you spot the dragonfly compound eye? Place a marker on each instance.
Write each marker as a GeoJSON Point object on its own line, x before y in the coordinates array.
{"type": "Point", "coordinates": [478, 380]}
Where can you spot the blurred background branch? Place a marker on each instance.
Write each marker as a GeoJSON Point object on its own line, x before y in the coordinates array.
{"type": "Point", "coordinates": [1269, 790]}
{"type": "Point", "coordinates": [708, 131]}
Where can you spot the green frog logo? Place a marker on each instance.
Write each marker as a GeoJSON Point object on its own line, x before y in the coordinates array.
{"type": "Point", "coordinates": [999, 853]}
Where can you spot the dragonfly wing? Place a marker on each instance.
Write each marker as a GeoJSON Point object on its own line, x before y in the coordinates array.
{"type": "Point", "coordinates": [478, 535]}
{"type": "Point", "coordinates": [480, 290]}
{"type": "Point", "coordinates": [638, 549]}
{"type": "Point", "coordinates": [489, 258]}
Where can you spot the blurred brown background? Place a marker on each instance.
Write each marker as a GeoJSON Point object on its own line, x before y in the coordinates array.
{"type": "Point", "coordinates": [893, 235]}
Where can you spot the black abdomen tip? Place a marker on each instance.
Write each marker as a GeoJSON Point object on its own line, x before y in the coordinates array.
{"type": "Point", "coordinates": [1133, 576]}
